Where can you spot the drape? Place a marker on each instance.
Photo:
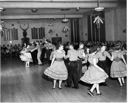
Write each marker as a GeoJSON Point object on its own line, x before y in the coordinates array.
{"type": "Point", "coordinates": [75, 30]}
{"type": "Point", "coordinates": [96, 33]}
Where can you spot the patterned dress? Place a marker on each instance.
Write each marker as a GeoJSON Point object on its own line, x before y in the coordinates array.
{"type": "Point", "coordinates": [93, 74]}
{"type": "Point", "coordinates": [58, 69]}
{"type": "Point", "coordinates": [118, 68]}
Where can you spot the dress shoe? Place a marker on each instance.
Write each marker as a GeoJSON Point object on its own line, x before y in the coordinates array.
{"type": "Point", "coordinates": [60, 87]}
{"type": "Point", "coordinates": [99, 94]}
{"type": "Point", "coordinates": [67, 86]}
{"type": "Point", "coordinates": [90, 93]}
{"type": "Point", "coordinates": [76, 87]}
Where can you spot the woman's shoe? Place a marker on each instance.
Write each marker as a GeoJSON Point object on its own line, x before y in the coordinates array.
{"type": "Point", "coordinates": [60, 87]}
{"type": "Point", "coordinates": [76, 87]}
{"type": "Point", "coordinates": [90, 93]}
{"type": "Point", "coordinates": [99, 94]}
{"type": "Point", "coordinates": [67, 86]}
{"type": "Point", "coordinates": [121, 85]}
{"type": "Point", "coordinates": [124, 84]}
{"type": "Point", "coordinates": [53, 87]}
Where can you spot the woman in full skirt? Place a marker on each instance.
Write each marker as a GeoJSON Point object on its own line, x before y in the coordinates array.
{"type": "Point", "coordinates": [95, 74]}
{"type": "Point", "coordinates": [26, 56]}
{"type": "Point", "coordinates": [118, 67]}
{"type": "Point", "coordinates": [57, 70]}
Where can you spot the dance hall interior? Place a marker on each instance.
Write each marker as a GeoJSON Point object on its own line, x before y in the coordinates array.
{"type": "Point", "coordinates": [63, 51]}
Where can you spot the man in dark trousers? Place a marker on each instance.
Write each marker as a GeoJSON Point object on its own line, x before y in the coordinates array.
{"type": "Point", "coordinates": [73, 68]}
{"type": "Point", "coordinates": [48, 49]}
{"type": "Point", "coordinates": [81, 54]}
{"type": "Point", "coordinates": [34, 53]}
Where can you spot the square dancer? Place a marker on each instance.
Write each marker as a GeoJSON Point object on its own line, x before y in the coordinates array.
{"type": "Point", "coordinates": [73, 67]}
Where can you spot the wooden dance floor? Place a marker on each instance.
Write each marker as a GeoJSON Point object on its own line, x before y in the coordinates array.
{"type": "Point", "coordinates": [20, 84]}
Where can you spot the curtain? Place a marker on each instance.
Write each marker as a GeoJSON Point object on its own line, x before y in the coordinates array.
{"type": "Point", "coordinates": [75, 30]}
{"type": "Point", "coordinates": [96, 33]}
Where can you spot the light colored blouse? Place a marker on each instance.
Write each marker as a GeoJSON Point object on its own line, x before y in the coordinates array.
{"type": "Point", "coordinates": [59, 54]}
{"type": "Point", "coordinates": [72, 55]}
{"type": "Point", "coordinates": [102, 55]}
{"type": "Point", "coordinates": [81, 53]}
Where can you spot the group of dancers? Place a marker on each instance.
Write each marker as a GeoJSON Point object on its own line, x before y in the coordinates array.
{"type": "Point", "coordinates": [87, 65]}
{"type": "Point", "coordinates": [28, 55]}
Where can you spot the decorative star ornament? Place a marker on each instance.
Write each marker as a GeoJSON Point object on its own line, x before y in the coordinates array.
{"type": "Point", "coordinates": [98, 20]}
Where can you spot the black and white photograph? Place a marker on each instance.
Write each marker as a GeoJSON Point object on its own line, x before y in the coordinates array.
{"type": "Point", "coordinates": [63, 51]}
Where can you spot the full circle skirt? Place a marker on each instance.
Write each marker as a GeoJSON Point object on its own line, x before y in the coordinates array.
{"type": "Point", "coordinates": [57, 71]}
{"type": "Point", "coordinates": [94, 75]}
{"type": "Point", "coordinates": [118, 69]}
{"type": "Point", "coordinates": [26, 57]}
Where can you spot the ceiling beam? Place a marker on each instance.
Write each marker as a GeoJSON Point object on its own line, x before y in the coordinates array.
{"type": "Point", "coordinates": [56, 3]}
{"type": "Point", "coordinates": [59, 0]}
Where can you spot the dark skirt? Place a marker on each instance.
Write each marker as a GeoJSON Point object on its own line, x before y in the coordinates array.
{"type": "Point", "coordinates": [105, 65]}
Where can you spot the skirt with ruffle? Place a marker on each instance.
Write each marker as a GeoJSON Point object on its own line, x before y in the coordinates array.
{"type": "Point", "coordinates": [26, 57]}
{"type": "Point", "coordinates": [118, 69]}
{"type": "Point", "coordinates": [57, 71]}
{"type": "Point", "coordinates": [94, 75]}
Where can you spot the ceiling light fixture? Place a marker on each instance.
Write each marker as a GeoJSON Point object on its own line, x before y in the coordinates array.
{"type": "Point", "coordinates": [65, 20]}
{"type": "Point", "coordinates": [98, 8]}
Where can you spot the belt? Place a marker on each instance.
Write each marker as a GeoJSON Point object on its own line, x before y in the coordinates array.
{"type": "Point", "coordinates": [117, 60]}
{"type": "Point", "coordinates": [91, 64]}
{"type": "Point", "coordinates": [74, 61]}
{"type": "Point", "coordinates": [59, 59]}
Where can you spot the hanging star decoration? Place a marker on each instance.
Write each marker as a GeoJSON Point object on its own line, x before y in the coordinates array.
{"type": "Point", "coordinates": [98, 20]}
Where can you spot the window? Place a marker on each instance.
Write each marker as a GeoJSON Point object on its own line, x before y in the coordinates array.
{"type": "Point", "coordinates": [10, 34]}
{"type": "Point", "coordinates": [38, 33]}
